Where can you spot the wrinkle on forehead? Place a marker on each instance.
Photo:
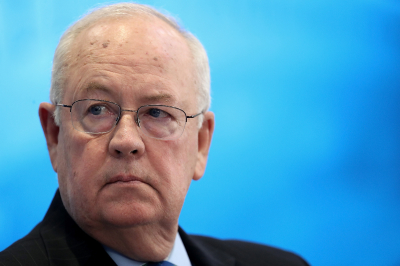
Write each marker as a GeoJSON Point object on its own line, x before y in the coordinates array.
{"type": "Point", "coordinates": [94, 87]}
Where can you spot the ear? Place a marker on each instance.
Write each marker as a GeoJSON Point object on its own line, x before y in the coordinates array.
{"type": "Point", "coordinates": [204, 142]}
{"type": "Point", "coordinates": [50, 130]}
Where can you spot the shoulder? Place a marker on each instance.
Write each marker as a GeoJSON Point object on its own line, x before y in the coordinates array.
{"type": "Point", "coordinates": [248, 253]}
{"type": "Point", "coordinates": [56, 240]}
{"type": "Point", "coordinates": [29, 250]}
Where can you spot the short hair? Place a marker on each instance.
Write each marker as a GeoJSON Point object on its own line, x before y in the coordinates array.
{"type": "Point", "coordinates": [62, 53]}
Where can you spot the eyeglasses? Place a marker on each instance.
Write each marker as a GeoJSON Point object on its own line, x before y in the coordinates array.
{"type": "Point", "coordinates": [99, 117]}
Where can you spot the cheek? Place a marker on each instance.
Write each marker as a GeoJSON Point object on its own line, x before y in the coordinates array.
{"type": "Point", "coordinates": [81, 158]}
{"type": "Point", "coordinates": [174, 162]}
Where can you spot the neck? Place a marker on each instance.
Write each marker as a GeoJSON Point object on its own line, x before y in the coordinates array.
{"type": "Point", "coordinates": [140, 243]}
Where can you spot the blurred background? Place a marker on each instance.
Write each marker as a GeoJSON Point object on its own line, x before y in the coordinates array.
{"type": "Point", "coordinates": [306, 151]}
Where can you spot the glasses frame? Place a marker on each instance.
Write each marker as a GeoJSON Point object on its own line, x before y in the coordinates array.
{"type": "Point", "coordinates": [137, 120]}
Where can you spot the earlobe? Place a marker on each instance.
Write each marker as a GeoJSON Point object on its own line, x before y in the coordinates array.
{"type": "Point", "coordinates": [204, 142]}
{"type": "Point", "coordinates": [50, 130]}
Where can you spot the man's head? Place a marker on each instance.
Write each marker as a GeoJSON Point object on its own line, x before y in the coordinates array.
{"type": "Point", "coordinates": [123, 187]}
{"type": "Point", "coordinates": [124, 10]}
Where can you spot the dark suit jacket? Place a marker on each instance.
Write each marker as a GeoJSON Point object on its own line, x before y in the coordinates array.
{"type": "Point", "coordinates": [58, 240]}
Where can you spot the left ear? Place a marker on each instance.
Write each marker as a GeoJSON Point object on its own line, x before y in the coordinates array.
{"type": "Point", "coordinates": [204, 142]}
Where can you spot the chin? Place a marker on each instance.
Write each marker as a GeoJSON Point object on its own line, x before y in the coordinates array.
{"type": "Point", "coordinates": [130, 216]}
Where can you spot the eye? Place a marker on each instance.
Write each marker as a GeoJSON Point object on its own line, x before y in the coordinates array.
{"type": "Point", "coordinates": [96, 109]}
{"type": "Point", "coordinates": [155, 112]}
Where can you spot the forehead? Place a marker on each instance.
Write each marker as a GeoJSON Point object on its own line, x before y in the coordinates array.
{"type": "Point", "coordinates": [139, 48]}
{"type": "Point", "coordinates": [131, 33]}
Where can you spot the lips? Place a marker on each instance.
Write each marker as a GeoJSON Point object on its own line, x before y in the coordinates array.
{"type": "Point", "coordinates": [124, 179]}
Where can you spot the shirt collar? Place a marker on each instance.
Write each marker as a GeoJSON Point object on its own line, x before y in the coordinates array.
{"type": "Point", "coordinates": [178, 255]}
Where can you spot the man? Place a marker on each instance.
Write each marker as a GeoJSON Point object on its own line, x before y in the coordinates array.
{"type": "Point", "coordinates": [127, 131]}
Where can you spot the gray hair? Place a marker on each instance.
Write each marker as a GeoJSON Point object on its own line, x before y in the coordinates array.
{"type": "Point", "coordinates": [62, 53]}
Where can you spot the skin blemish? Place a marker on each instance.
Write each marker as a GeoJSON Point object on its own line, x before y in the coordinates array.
{"type": "Point", "coordinates": [105, 44]}
{"type": "Point", "coordinates": [155, 58]}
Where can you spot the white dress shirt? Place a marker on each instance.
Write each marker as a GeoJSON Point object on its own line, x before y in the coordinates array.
{"type": "Point", "coordinates": [178, 255]}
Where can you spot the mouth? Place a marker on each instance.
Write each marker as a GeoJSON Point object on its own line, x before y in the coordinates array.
{"type": "Point", "coordinates": [124, 179]}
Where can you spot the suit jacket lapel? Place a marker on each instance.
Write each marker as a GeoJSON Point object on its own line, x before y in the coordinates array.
{"type": "Point", "coordinates": [203, 255]}
{"type": "Point", "coordinates": [66, 243]}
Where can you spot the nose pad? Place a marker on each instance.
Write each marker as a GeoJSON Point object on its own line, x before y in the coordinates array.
{"type": "Point", "coordinates": [137, 120]}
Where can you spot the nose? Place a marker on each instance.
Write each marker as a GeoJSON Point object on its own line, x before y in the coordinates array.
{"type": "Point", "coordinates": [126, 139]}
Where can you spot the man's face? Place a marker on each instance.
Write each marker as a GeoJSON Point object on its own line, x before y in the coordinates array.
{"type": "Point", "coordinates": [124, 178]}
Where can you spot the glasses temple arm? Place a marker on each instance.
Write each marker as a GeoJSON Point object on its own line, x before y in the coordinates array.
{"type": "Point", "coordinates": [64, 105]}
{"type": "Point", "coordinates": [193, 116]}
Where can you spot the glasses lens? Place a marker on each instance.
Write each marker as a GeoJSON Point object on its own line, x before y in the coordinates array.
{"type": "Point", "coordinates": [161, 122]}
{"type": "Point", "coordinates": [94, 116]}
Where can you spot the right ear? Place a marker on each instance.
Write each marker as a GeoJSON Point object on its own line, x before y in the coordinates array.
{"type": "Point", "coordinates": [50, 130]}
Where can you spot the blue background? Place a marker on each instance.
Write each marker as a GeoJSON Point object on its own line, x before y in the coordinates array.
{"type": "Point", "coordinates": [306, 151]}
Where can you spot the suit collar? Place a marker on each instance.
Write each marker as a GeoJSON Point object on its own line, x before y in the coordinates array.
{"type": "Point", "coordinates": [201, 254]}
{"type": "Point", "coordinates": [66, 243]}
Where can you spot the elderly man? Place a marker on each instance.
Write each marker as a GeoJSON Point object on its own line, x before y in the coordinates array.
{"type": "Point", "coordinates": [127, 131]}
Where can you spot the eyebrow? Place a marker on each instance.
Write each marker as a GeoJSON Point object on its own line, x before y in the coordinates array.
{"type": "Point", "coordinates": [96, 86]}
{"type": "Point", "coordinates": [159, 97]}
